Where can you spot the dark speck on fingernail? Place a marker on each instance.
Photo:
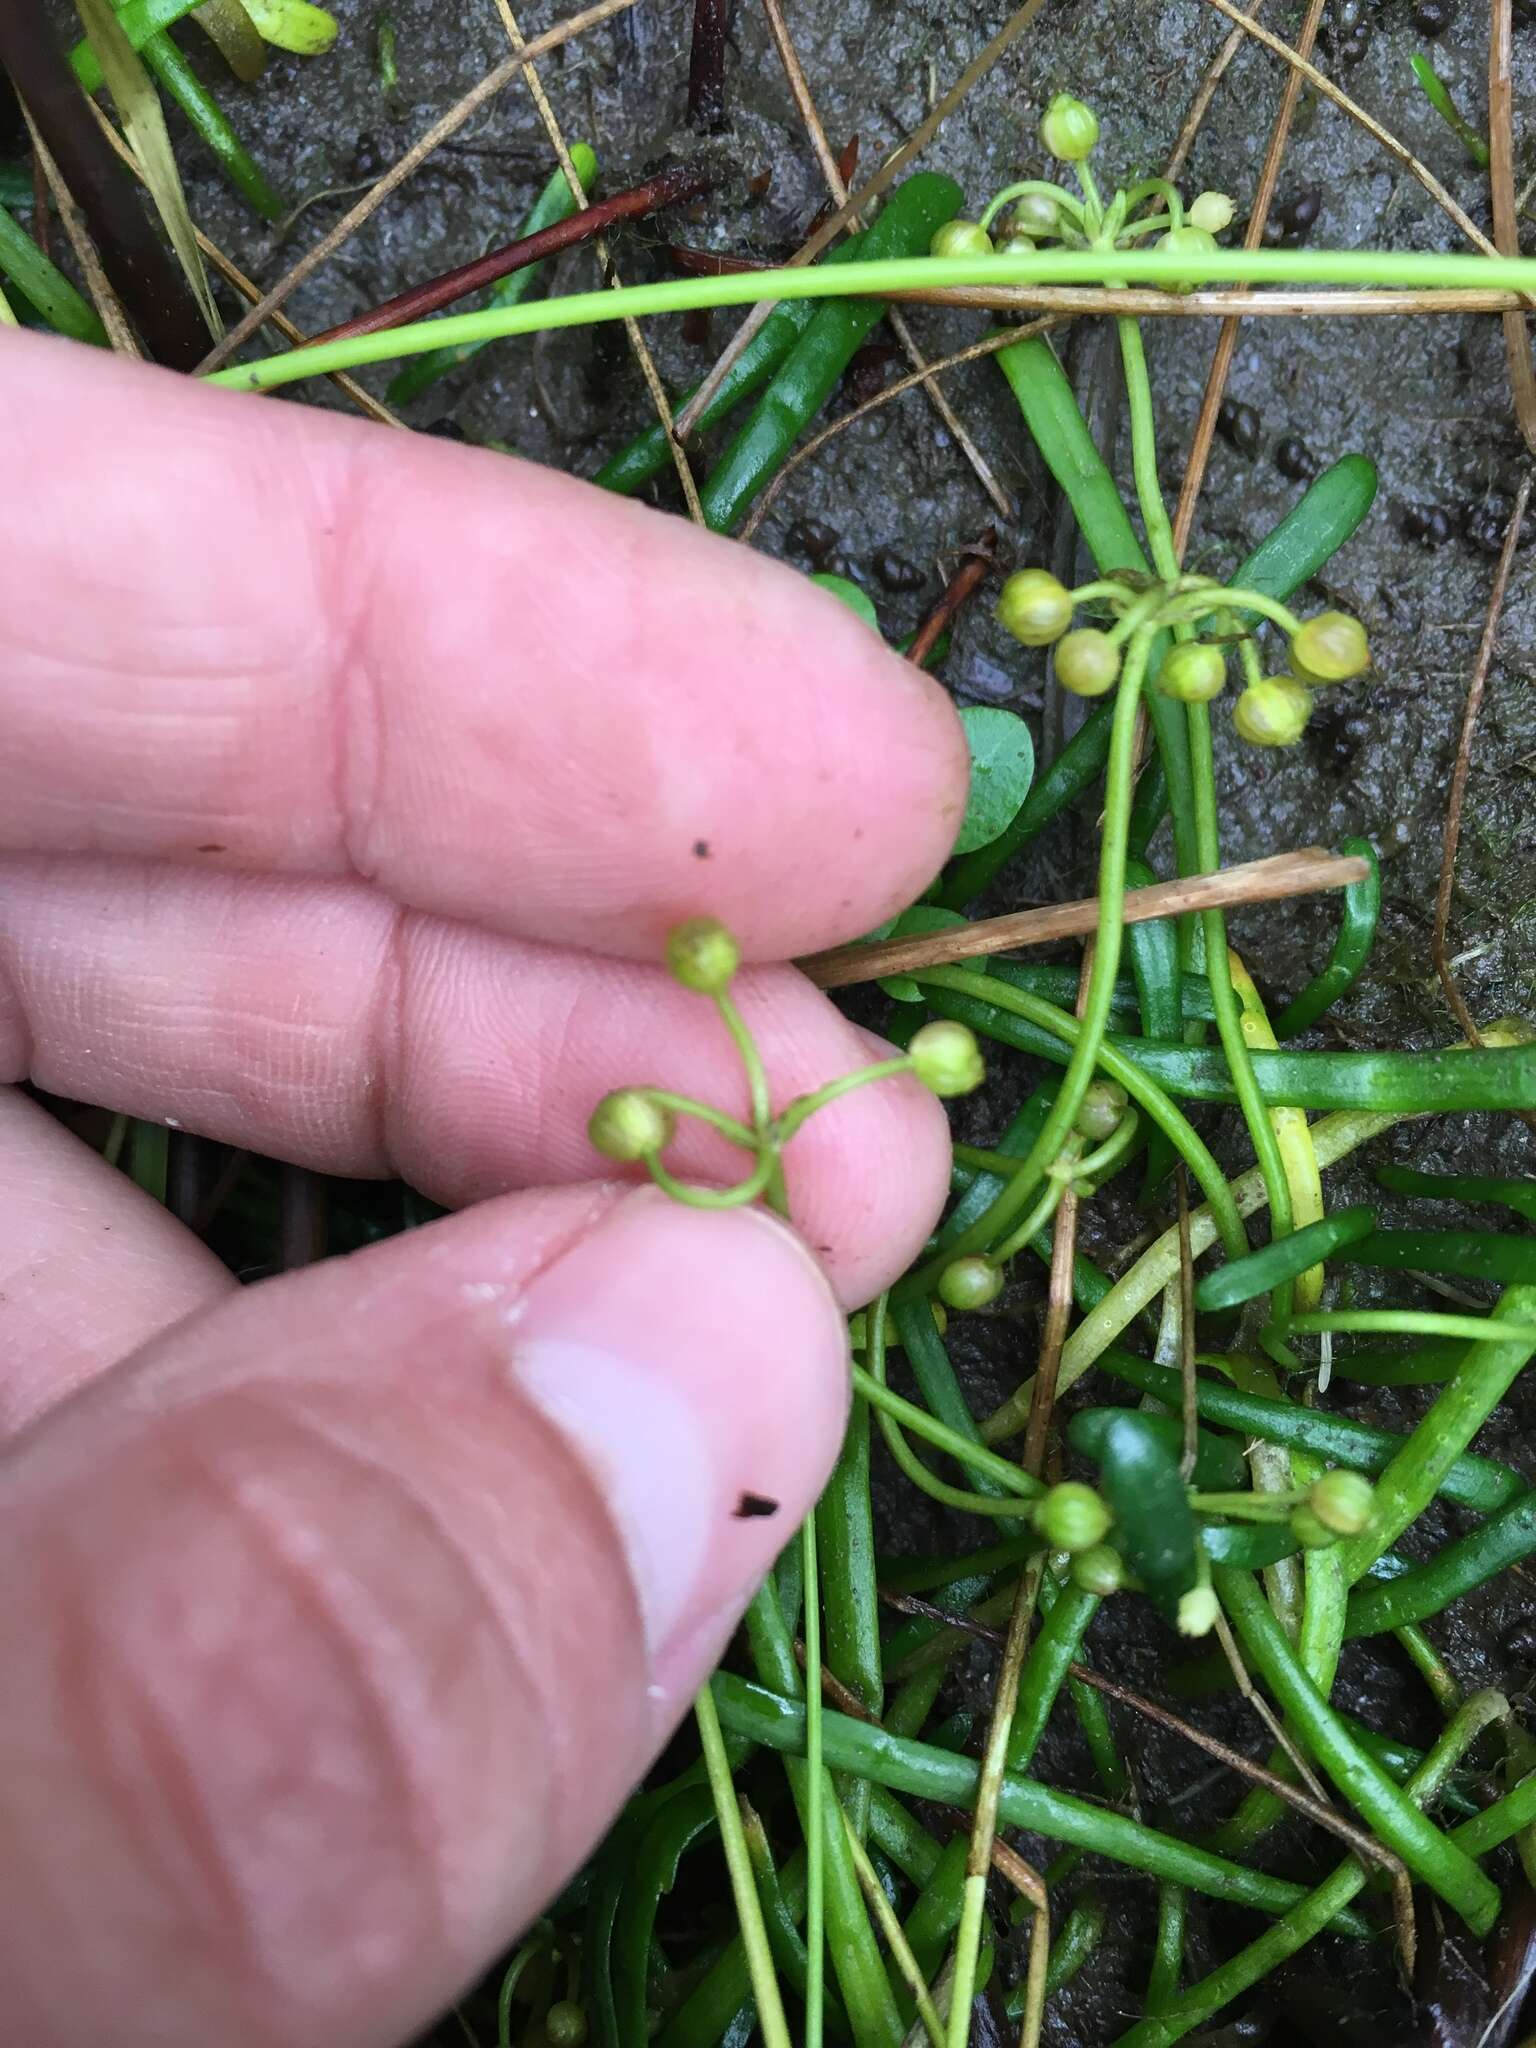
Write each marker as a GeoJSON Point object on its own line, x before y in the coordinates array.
{"type": "Point", "coordinates": [752, 1506]}
{"type": "Point", "coordinates": [701, 849]}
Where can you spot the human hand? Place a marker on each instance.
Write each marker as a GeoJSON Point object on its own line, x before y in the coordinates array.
{"type": "Point", "coordinates": [348, 785]}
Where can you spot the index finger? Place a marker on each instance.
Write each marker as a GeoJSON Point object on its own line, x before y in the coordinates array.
{"type": "Point", "coordinates": [247, 634]}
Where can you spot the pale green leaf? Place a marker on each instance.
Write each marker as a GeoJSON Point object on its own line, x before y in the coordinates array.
{"type": "Point", "coordinates": [849, 594]}
{"type": "Point", "coordinates": [1002, 768]}
{"type": "Point", "coordinates": [921, 917]}
{"type": "Point", "coordinates": [293, 25]}
{"type": "Point", "coordinates": [139, 110]}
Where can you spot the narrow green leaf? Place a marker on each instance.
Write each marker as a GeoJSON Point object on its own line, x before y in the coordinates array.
{"type": "Point", "coordinates": [138, 106]}
{"type": "Point", "coordinates": [849, 594]}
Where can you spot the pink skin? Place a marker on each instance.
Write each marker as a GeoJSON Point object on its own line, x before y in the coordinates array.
{"type": "Point", "coordinates": [349, 784]}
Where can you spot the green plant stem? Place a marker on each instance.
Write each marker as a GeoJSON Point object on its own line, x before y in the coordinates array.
{"type": "Point", "coordinates": [1410, 1322]}
{"type": "Point", "coordinates": [815, 1816]}
{"type": "Point", "coordinates": [1168, 1948]}
{"type": "Point", "coordinates": [1351, 947]}
{"type": "Point", "coordinates": [925, 1772]}
{"type": "Point", "coordinates": [1427, 1852]}
{"type": "Point", "coordinates": [1505, 1539]}
{"type": "Point", "coordinates": [1412, 269]}
{"type": "Point", "coordinates": [895, 1940]}
{"type": "Point", "coordinates": [211, 124]}
{"type": "Point", "coordinates": [849, 1589]}
{"type": "Point", "coordinates": [1068, 1612]}
{"type": "Point", "coordinates": [1430, 1665]}
{"type": "Point", "coordinates": [749, 1911]}
{"type": "Point", "coordinates": [1202, 2001]}
{"type": "Point", "coordinates": [1519, 1195]}
{"type": "Point", "coordinates": [44, 286]}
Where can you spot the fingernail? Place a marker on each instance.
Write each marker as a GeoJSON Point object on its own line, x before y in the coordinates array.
{"type": "Point", "coordinates": [695, 1362]}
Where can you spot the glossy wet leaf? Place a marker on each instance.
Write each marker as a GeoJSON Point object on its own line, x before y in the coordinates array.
{"type": "Point", "coordinates": [849, 594]}
{"type": "Point", "coordinates": [1002, 768]}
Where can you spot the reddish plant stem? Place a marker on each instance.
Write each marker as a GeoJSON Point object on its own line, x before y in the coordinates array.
{"type": "Point", "coordinates": [682, 181]}
{"type": "Point", "coordinates": [962, 585]}
{"type": "Point", "coordinates": [706, 64]}
{"type": "Point", "coordinates": [152, 289]}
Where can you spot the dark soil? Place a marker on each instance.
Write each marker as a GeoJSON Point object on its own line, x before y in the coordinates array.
{"type": "Point", "coordinates": [1427, 398]}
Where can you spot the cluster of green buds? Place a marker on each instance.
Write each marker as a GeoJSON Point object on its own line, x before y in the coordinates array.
{"type": "Point", "coordinates": [634, 1126]}
{"type": "Point", "coordinates": [1035, 211]}
{"type": "Point", "coordinates": [1207, 620]}
{"type": "Point", "coordinates": [1338, 1504]}
{"type": "Point", "coordinates": [1103, 1130]}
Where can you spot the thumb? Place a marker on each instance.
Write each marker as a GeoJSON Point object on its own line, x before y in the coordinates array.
{"type": "Point", "coordinates": [340, 1621]}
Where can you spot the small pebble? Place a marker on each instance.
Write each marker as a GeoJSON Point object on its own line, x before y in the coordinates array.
{"type": "Point", "coordinates": [896, 574]}
{"type": "Point", "coordinates": [1293, 458]}
{"type": "Point", "coordinates": [1430, 524]}
{"type": "Point", "coordinates": [839, 564]}
{"type": "Point", "coordinates": [1520, 1640]}
{"type": "Point", "coordinates": [1240, 425]}
{"type": "Point", "coordinates": [1485, 520]}
{"type": "Point", "coordinates": [1432, 17]}
{"type": "Point", "coordinates": [811, 539]}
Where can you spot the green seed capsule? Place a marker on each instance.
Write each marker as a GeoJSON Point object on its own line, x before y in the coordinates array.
{"type": "Point", "coordinates": [566, 2024]}
{"type": "Point", "coordinates": [1098, 1570]}
{"type": "Point", "coordinates": [1273, 713]}
{"type": "Point", "coordinates": [1034, 607]}
{"type": "Point", "coordinates": [946, 1058]}
{"type": "Point", "coordinates": [702, 955]}
{"type": "Point", "coordinates": [1194, 672]}
{"type": "Point", "coordinates": [1037, 214]}
{"type": "Point", "coordinates": [1087, 662]}
{"type": "Point", "coordinates": [1099, 1112]}
{"type": "Point", "coordinates": [960, 238]}
{"type": "Point", "coordinates": [1068, 129]}
{"type": "Point", "coordinates": [627, 1125]}
{"type": "Point", "coordinates": [1071, 1517]}
{"type": "Point", "coordinates": [1309, 1530]}
{"type": "Point", "coordinates": [1211, 211]}
{"type": "Point", "coordinates": [1331, 648]}
{"type": "Point", "coordinates": [1016, 245]}
{"type": "Point", "coordinates": [970, 1283]}
{"type": "Point", "coordinates": [1342, 1501]}
{"type": "Point", "coordinates": [1189, 243]}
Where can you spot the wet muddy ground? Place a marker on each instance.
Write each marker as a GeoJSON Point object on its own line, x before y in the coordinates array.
{"type": "Point", "coordinates": [1426, 398]}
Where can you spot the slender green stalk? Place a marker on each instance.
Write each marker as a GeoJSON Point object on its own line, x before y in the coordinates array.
{"type": "Point", "coordinates": [1505, 1539]}
{"type": "Point", "coordinates": [44, 286]}
{"type": "Point", "coordinates": [1409, 1483]}
{"type": "Point", "coordinates": [1360, 269]}
{"type": "Point", "coordinates": [1069, 1610]}
{"type": "Point", "coordinates": [815, 1816]}
{"type": "Point", "coordinates": [211, 124]}
{"type": "Point", "coordinates": [1427, 1852]}
{"type": "Point", "coordinates": [895, 1940]}
{"type": "Point", "coordinates": [749, 1910]}
{"type": "Point", "coordinates": [1431, 1666]}
{"type": "Point", "coordinates": [1168, 1948]}
{"type": "Point", "coordinates": [849, 1588]}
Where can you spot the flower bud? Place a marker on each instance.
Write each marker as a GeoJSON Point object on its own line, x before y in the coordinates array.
{"type": "Point", "coordinates": [1016, 244]}
{"type": "Point", "coordinates": [1098, 1570]}
{"type": "Point", "coordinates": [1071, 1516]}
{"type": "Point", "coordinates": [1189, 243]}
{"type": "Point", "coordinates": [1273, 713]}
{"type": "Point", "coordinates": [1194, 672]}
{"type": "Point", "coordinates": [970, 1283]}
{"type": "Point", "coordinates": [1342, 1501]}
{"type": "Point", "coordinates": [1330, 648]}
{"type": "Point", "coordinates": [1198, 1611]}
{"type": "Point", "coordinates": [946, 1058]}
{"type": "Point", "coordinates": [627, 1125]}
{"type": "Point", "coordinates": [702, 955]}
{"type": "Point", "coordinates": [1034, 607]}
{"type": "Point", "coordinates": [1037, 214]}
{"type": "Point", "coordinates": [1211, 211]}
{"type": "Point", "coordinates": [1309, 1530]}
{"type": "Point", "coordinates": [566, 2024]}
{"type": "Point", "coordinates": [1099, 1112]}
{"type": "Point", "coordinates": [1087, 662]}
{"type": "Point", "coordinates": [960, 238]}
{"type": "Point", "coordinates": [1068, 129]}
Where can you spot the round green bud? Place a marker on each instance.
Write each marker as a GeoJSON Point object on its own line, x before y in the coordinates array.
{"type": "Point", "coordinates": [627, 1125]}
{"type": "Point", "coordinates": [1211, 211]}
{"type": "Point", "coordinates": [702, 955]}
{"type": "Point", "coordinates": [1071, 1516]}
{"type": "Point", "coordinates": [1273, 713]}
{"type": "Point", "coordinates": [1098, 1570]}
{"type": "Point", "coordinates": [1099, 1112]}
{"type": "Point", "coordinates": [1037, 214]}
{"type": "Point", "coordinates": [946, 1058]}
{"type": "Point", "coordinates": [1016, 244]}
{"type": "Point", "coordinates": [970, 1283]}
{"type": "Point", "coordinates": [1194, 672]}
{"type": "Point", "coordinates": [1068, 129]}
{"type": "Point", "coordinates": [1198, 1611]}
{"type": "Point", "coordinates": [1189, 243]}
{"type": "Point", "coordinates": [960, 238]}
{"type": "Point", "coordinates": [1330, 648]}
{"type": "Point", "coordinates": [1342, 1501]}
{"type": "Point", "coordinates": [1087, 662]}
{"type": "Point", "coordinates": [566, 2024]}
{"type": "Point", "coordinates": [1311, 1532]}
{"type": "Point", "coordinates": [1509, 1031]}
{"type": "Point", "coordinates": [1035, 607]}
